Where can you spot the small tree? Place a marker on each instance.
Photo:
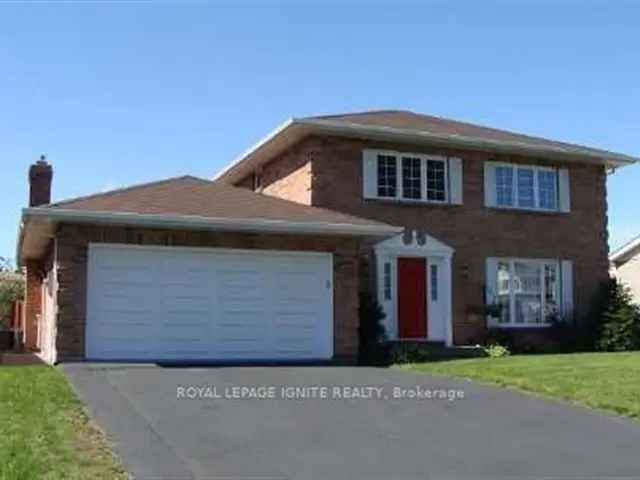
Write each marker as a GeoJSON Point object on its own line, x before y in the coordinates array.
{"type": "Point", "coordinates": [620, 328]}
{"type": "Point", "coordinates": [11, 289]}
{"type": "Point", "coordinates": [372, 332]}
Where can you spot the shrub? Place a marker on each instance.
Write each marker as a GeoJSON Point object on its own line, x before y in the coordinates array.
{"type": "Point", "coordinates": [620, 323]}
{"type": "Point", "coordinates": [498, 336]}
{"type": "Point", "coordinates": [372, 333]}
{"type": "Point", "coordinates": [566, 337]}
{"type": "Point", "coordinates": [496, 351]}
{"type": "Point", "coordinates": [409, 353]}
{"type": "Point", "coordinates": [11, 289]}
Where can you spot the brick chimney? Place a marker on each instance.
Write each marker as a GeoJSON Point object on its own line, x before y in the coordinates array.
{"type": "Point", "coordinates": [40, 175]}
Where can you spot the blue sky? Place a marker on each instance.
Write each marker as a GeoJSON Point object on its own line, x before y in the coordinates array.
{"type": "Point", "coordinates": [120, 93]}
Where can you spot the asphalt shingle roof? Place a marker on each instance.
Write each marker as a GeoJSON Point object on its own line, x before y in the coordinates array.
{"type": "Point", "coordinates": [192, 196]}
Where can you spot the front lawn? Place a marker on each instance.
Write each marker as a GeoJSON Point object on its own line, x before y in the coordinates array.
{"type": "Point", "coordinates": [608, 381]}
{"type": "Point", "coordinates": [44, 432]}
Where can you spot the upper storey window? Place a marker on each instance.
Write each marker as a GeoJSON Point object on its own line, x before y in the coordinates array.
{"type": "Point", "coordinates": [387, 176]}
{"type": "Point", "coordinates": [436, 180]}
{"type": "Point", "coordinates": [412, 177]}
{"type": "Point", "coordinates": [526, 187]}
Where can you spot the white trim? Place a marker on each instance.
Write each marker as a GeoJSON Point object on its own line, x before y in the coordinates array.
{"type": "Point", "coordinates": [372, 190]}
{"type": "Point", "coordinates": [431, 246]}
{"type": "Point", "coordinates": [563, 186]}
{"type": "Point", "coordinates": [266, 139]}
{"type": "Point", "coordinates": [447, 299]}
{"type": "Point", "coordinates": [455, 177]}
{"type": "Point", "coordinates": [492, 293]}
{"type": "Point", "coordinates": [624, 250]}
{"type": "Point", "coordinates": [566, 290]}
{"type": "Point", "coordinates": [434, 252]}
{"type": "Point", "coordinates": [209, 223]}
{"type": "Point", "coordinates": [297, 128]}
{"type": "Point", "coordinates": [562, 149]}
{"type": "Point", "coordinates": [230, 251]}
{"type": "Point", "coordinates": [514, 185]}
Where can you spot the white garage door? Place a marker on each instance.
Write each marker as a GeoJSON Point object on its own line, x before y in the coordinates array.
{"type": "Point", "coordinates": [165, 303]}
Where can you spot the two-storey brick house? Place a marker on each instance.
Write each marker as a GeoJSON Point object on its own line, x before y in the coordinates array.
{"type": "Point", "coordinates": [443, 221]}
{"type": "Point", "coordinates": [501, 218]}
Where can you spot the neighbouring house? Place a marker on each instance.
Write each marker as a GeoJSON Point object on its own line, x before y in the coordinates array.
{"type": "Point", "coordinates": [457, 229]}
{"type": "Point", "coordinates": [625, 266]}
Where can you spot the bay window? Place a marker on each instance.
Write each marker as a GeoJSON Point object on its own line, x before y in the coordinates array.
{"type": "Point", "coordinates": [526, 290]}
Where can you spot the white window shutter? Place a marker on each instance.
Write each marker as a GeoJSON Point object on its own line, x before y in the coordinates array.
{"type": "Point", "coordinates": [491, 285]}
{"type": "Point", "coordinates": [566, 269]}
{"type": "Point", "coordinates": [455, 181]}
{"type": "Point", "coordinates": [490, 184]}
{"type": "Point", "coordinates": [564, 195]}
{"type": "Point", "coordinates": [369, 174]}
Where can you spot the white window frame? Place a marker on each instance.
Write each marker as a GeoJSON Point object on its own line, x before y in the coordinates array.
{"type": "Point", "coordinates": [536, 190]}
{"type": "Point", "coordinates": [398, 179]}
{"type": "Point", "coordinates": [423, 176]}
{"type": "Point", "coordinates": [538, 262]}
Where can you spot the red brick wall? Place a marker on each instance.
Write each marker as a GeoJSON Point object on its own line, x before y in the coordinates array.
{"type": "Point", "coordinates": [73, 240]}
{"type": "Point", "coordinates": [33, 303]}
{"type": "Point", "coordinates": [288, 176]}
{"type": "Point", "coordinates": [475, 232]}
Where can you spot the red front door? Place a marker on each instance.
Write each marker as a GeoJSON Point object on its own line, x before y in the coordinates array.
{"type": "Point", "coordinates": [412, 298]}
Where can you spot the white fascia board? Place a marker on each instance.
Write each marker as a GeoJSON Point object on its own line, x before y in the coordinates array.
{"type": "Point", "coordinates": [567, 152]}
{"type": "Point", "coordinates": [621, 252]}
{"type": "Point", "coordinates": [208, 223]}
{"type": "Point", "coordinates": [256, 146]}
{"type": "Point", "coordinates": [393, 133]}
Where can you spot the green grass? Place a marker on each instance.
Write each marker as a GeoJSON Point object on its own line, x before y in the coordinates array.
{"type": "Point", "coordinates": [44, 432]}
{"type": "Point", "coordinates": [607, 381]}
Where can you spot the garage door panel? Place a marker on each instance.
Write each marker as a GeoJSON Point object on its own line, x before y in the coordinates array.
{"type": "Point", "coordinates": [297, 349]}
{"type": "Point", "coordinates": [245, 287]}
{"type": "Point", "coordinates": [184, 346]}
{"type": "Point", "coordinates": [246, 320]}
{"type": "Point", "coordinates": [185, 319]}
{"type": "Point", "coordinates": [187, 304]}
{"type": "Point", "coordinates": [242, 337]}
{"type": "Point", "coordinates": [139, 300]}
{"type": "Point", "coordinates": [297, 284]}
{"type": "Point", "coordinates": [171, 303]}
{"type": "Point", "coordinates": [129, 277]}
{"type": "Point", "coordinates": [109, 317]}
{"type": "Point", "coordinates": [294, 322]}
{"type": "Point", "coordinates": [237, 307]}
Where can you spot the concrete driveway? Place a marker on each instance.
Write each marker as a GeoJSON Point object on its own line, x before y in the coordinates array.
{"type": "Point", "coordinates": [163, 428]}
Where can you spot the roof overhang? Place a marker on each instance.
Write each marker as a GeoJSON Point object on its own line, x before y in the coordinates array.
{"type": "Point", "coordinates": [627, 251]}
{"type": "Point", "coordinates": [293, 130]}
{"type": "Point", "coordinates": [38, 226]}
